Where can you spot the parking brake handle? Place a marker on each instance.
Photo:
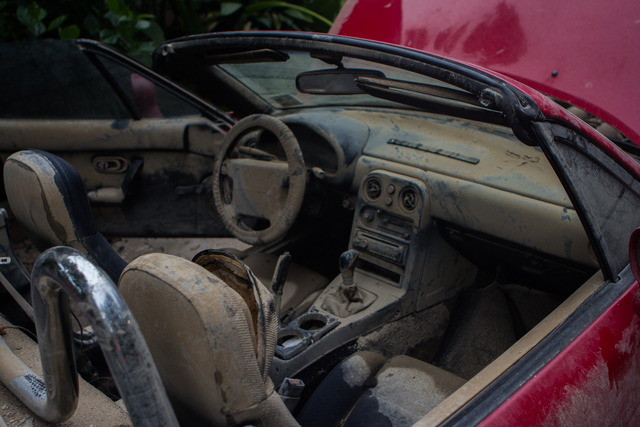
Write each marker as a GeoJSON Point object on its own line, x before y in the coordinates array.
{"type": "Point", "coordinates": [279, 278]}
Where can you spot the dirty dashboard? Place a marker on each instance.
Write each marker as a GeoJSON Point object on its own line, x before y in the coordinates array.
{"type": "Point", "coordinates": [433, 206]}
{"type": "Point", "coordinates": [418, 190]}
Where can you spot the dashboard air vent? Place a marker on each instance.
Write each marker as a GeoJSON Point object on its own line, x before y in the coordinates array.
{"type": "Point", "coordinates": [373, 188]}
{"type": "Point", "coordinates": [409, 198]}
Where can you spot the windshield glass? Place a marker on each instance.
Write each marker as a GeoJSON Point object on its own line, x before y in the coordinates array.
{"type": "Point", "coordinates": [275, 82]}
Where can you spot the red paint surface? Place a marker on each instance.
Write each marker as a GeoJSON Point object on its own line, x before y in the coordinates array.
{"type": "Point", "coordinates": [594, 46]}
{"type": "Point", "coordinates": [594, 381]}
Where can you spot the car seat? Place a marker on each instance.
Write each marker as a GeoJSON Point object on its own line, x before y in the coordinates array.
{"type": "Point", "coordinates": [212, 333]}
{"type": "Point", "coordinates": [48, 198]}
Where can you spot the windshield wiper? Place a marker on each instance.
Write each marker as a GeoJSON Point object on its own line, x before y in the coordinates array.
{"type": "Point", "coordinates": [430, 97]}
{"type": "Point", "coordinates": [396, 86]}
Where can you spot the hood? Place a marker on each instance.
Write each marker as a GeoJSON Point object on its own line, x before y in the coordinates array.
{"type": "Point", "coordinates": [583, 52]}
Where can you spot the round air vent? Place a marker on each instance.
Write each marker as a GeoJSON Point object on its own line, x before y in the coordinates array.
{"type": "Point", "coordinates": [373, 188]}
{"type": "Point", "coordinates": [409, 199]}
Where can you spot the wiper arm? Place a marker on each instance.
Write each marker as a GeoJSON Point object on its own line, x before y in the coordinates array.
{"type": "Point", "coordinates": [398, 86]}
{"type": "Point", "coordinates": [429, 97]}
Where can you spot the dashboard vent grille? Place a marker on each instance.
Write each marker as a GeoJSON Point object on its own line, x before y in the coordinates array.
{"type": "Point", "coordinates": [373, 188]}
{"type": "Point", "coordinates": [409, 198]}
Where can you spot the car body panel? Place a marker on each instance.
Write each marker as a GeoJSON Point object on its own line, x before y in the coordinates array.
{"type": "Point", "coordinates": [580, 52]}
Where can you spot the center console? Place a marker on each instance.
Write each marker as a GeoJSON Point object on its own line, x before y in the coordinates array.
{"type": "Point", "coordinates": [396, 264]}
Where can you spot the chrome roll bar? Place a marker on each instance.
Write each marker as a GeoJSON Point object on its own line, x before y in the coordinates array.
{"type": "Point", "coordinates": [62, 275]}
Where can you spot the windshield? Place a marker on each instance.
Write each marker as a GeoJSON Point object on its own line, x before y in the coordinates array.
{"type": "Point", "coordinates": [275, 82]}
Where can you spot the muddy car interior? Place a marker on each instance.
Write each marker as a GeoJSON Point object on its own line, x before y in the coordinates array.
{"type": "Point", "coordinates": [402, 238]}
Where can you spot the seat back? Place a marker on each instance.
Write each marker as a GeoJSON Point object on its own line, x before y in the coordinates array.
{"type": "Point", "coordinates": [212, 336]}
{"type": "Point", "coordinates": [47, 196]}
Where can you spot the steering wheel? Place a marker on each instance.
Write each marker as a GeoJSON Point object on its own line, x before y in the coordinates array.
{"type": "Point", "coordinates": [257, 195]}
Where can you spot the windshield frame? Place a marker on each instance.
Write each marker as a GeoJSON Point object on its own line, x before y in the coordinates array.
{"type": "Point", "coordinates": [510, 105]}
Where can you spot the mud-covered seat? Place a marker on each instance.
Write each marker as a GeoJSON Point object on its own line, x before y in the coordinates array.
{"type": "Point", "coordinates": [212, 335]}
{"type": "Point", "coordinates": [367, 389]}
{"type": "Point", "coordinates": [212, 330]}
{"type": "Point", "coordinates": [47, 196]}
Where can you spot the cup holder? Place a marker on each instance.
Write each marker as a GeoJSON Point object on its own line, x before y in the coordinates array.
{"type": "Point", "coordinates": [288, 338]}
{"type": "Point", "coordinates": [302, 332]}
{"type": "Point", "coordinates": [312, 322]}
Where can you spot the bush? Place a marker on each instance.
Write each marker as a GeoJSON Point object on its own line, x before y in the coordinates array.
{"type": "Point", "coordinates": [137, 27]}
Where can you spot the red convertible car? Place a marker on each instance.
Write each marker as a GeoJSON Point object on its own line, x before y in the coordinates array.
{"type": "Point", "coordinates": [563, 51]}
{"type": "Point", "coordinates": [425, 241]}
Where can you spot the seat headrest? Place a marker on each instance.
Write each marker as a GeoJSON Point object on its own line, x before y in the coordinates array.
{"type": "Point", "coordinates": [48, 198]}
{"type": "Point", "coordinates": [212, 344]}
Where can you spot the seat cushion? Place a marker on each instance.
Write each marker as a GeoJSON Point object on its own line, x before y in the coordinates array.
{"type": "Point", "coordinates": [406, 389]}
{"type": "Point", "coordinates": [367, 390]}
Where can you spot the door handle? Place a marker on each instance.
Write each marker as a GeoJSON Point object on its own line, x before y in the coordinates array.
{"type": "Point", "coordinates": [114, 195]}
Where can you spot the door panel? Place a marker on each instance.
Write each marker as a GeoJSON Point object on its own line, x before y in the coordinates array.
{"type": "Point", "coordinates": [168, 195]}
{"type": "Point", "coordinates": [143, 145]}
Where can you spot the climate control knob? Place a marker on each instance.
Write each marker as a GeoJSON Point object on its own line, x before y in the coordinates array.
{"type": "Point", "coordinates": [368, 215]}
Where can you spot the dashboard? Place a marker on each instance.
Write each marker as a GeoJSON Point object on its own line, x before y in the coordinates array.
{"type": "Point", "coordinates": [411, 168]}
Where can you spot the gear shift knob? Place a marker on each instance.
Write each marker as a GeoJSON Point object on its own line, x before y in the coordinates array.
{"type": "Point", "coordinates": [347, 268]}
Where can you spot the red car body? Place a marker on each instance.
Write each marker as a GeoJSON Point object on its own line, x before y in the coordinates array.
{"type": "Point", "coordinates": [581, 53]}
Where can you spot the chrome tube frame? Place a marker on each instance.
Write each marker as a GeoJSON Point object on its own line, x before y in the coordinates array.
{"type": "Point", "coordinates": [64, 273]}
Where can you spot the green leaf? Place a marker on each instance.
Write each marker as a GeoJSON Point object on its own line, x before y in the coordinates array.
{"type": "Point", "coordinates": [155, 33]}
{"type": "Point", "coordinates": [112, 17]}
{"type": "Point", "coordinates": [39, 29]}
{"type": "Point", "coordinates": [266, 22]}
{"type": "Point", "coordinates": [115, 6]}
{"type": "Point", "coordinates": [56, 22]}
{"type": "Point", "coordinates": [109, 37]}
{"type": "Point", "coordinates": [142, 25]}
{"type": "Point", "coordinates": [229, 8]}
{"type": "Point", "coordinates": [23, 16]}
{"type": "Point", "coordinates": [296, 14]}
{"type": "Point", "coordinates": [36, 12]}
{"type": "Point", "coordinates": [288, 22]}
{"type": "Point", "coordinates": [255, 7]}
{"type": "Point", "coordinates": [69, 32]}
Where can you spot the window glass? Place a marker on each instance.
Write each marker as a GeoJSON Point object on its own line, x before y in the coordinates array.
{"type": "Point", "coordinates": [151, 100]}
{"type": "Point", "coordinates": [275, 82]}
{"type": "Point", "coordinates": [53, 79]}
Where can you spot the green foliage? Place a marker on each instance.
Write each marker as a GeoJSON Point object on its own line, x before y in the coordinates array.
{"type": "Point", "coordinates": [136, 27]}
{"type": "Point", "coordinates": [137, 34]}
{"type": "Point", "coordinates": [268, 15]}
{"type": "Point", "coordinates": [32, 16]}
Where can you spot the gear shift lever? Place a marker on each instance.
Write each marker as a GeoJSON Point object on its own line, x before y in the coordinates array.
{"type": "Point", "coordinates": [347, 299]}
{"type": "Point", "coordinates": [347, 267]}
